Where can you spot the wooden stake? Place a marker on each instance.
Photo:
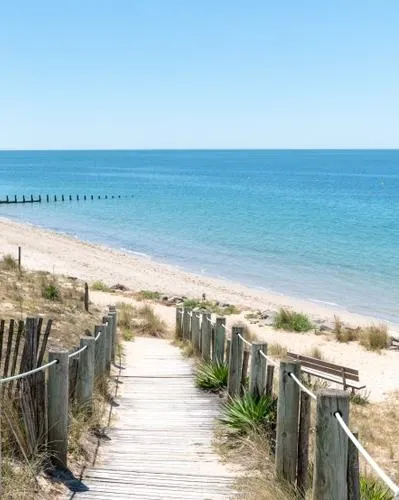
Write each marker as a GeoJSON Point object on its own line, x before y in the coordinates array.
{"type": "Point", "coordinates": [235, 364]}
{"type": "Point", "coordinates": [331, 450]}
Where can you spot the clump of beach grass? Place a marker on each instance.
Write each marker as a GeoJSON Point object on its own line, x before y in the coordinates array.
{"type": "Point", "coordinates": [8, 263]}
{"type": "Point", "coordinates": [141, 320]}
{"type": "Point", "coordinates": [316, 353]}
{"type": "Point", "coordinates": [343, 333]}
{"type": "Point", "coordinates": [100, 286]}
{"type": "Point", "coordinates": [277, 350]}
{"type": "Point", "coordinates": [213, 307]}
{"type": "Point", "coordinates": [291, 320]}
{"type": "Point", "coordinates": [374, 337]}
{"type": "Point", "coordinates": [51, 289]}
{"type": "Point", "coordinates": [148, 295]}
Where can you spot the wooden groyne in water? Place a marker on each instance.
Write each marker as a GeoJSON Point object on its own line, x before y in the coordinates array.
{"type": "Point", "coordinates": [48, 198]}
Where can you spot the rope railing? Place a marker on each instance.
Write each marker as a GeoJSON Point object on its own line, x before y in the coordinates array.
{"type": "Point", "coordinates": [76, 353]}
{"type": "Point", "coordinates": [211, 322]}
{"type": "Point", "coordinates": [244, 340]}
{"type": "Point", "coordinates": [98, 335]}
{"type": "Point", "coordinates": [31, 372]}
{"type": "Point", "coordinates": [377, 469]}
{"type": "Point", "coordinates": [267, 358]}
{"type": "Point", "coordinates": [302, 386]}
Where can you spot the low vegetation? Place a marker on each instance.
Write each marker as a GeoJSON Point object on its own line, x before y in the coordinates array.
{"type": "Point", "coordinates": [249, 414]}
{"type": "Point", "coordinates": [371, 489]}
{"type": "Point", "coordinates": [211, 376]}
{"type": "Point", "coordinates": [374, 337]}
{"type": "Point", "coordinates": [148, 295]}
{"type": "Point", "coordinates": [8, 263]}
{"type": "Point", "coordinates": [140, 321]}
{"type": "Point", "coordinates": [276, 350]}
{"type": "Point", "coordinates": [316, 353]}
{"type": "Point", "coordinates": [291, 320]}
{"type": "Point", "coordinates": [100, 286]}
{"type": "Point", "coordinates": [213, 307]}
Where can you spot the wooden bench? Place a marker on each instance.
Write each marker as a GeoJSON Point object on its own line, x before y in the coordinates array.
{"type": "Point", "coordinates": [348, 377]}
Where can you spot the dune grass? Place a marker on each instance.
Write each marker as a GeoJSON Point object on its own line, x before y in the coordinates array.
{"type": "Point", "coordinates": [374, 337]}
{"type": "Point", "coordinates": [211, 306]}
{"type": "Point", "coordinates": [148, 295]}
{"type": "Point", "coordinates": [8, 263]}
{"type": "Point", "coordinates": [140, 321]}
{"type": "Point", "coordinates": [292, 321]}
{"type": "Point", "coordinates": [100, 286]}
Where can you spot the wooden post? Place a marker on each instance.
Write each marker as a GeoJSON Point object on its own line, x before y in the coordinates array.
{"type": "Point", "coordinates": [86, 297]}
{"type": "Point", "coordinates": [179, 323]}
{"type": "Point", "coordinates": [110, 330]}
{"type": "Point", "coordinates": [186, 323]}
{"type": "Point", "coordinates": [70, 197]}
{"type": "Point", "coordinates": [244, 374]}
{"type": "Point", "coordinates": [303, 444]}
{"type": "Point", "coordinates": [257, 379]}
{"type": "Point", "coordinates": [331, 448]}
{"type": "Point", "coordinates": [31, 198]}
{"type": "Point", "coordinates": [353, 470]}
{"type": "Point", "coordinates": [220, 336]}
{"type": "Point", "coordinates": [206, 336]}
{"type": "Point", "coordinates": [19, 258]}
{"type": "Point", "coordinates": [195, 330]}
{"type": "Point", "coordinates": [228, 347]}
{"type": "Point", "coordinates": [269, 380]}
{"type": "Point", "coordinates": [235, 364]}
{"type": "Point", "coordinates": [47, 198]}
{"type": "Point", "coordinates": [62, 198]}
{"type": "Point", "coordinates": [85, 380]}
{"type": "Point", "coordinates": [57, 407]}
{"type": "Point", "coordinates": [99, 365]}
{"type": "Point", "coordinates": [55, 198]}
{"type": "Point", "coordinates": [287, 422]}
{"type": "Point", "coordinates": [113, 312]}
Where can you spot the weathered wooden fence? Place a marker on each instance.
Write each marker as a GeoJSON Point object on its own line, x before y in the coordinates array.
{"type": "Point", "coordinates": [44, 393]}
{"type": "Point", "coordinates": [334, 467]}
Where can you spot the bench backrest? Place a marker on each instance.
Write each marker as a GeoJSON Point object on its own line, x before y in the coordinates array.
{"type": "Point", "coordinates": [325, 367]}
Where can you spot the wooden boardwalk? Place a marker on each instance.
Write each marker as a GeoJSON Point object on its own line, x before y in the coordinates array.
{"type": "Point", "coordinates": [161, 437]}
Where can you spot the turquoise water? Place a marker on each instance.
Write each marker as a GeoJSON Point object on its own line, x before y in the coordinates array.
{"type": "Point", "coordinates": [320, 225]}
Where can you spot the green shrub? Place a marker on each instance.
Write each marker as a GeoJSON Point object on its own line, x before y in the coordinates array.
{"type": "Point", "coordinates": [148, 295]}
{"type": "Point", "coordinates": [360, 399]}
{"type": "Point", "coordinates": [371, 489]}
{"type": "Point", "coordinates": [212, 307]}
{"type": "Point", "coordinates": [100, 286]}
{"type": "Point", "coordinates": [51, 292]}
{"type": "Point", "coordinates": [250, 414]}
{"type": "Point", "coordinates": [127, 334]}
{"type": "Point", "coordinates": [291, 320]}
{"type": "Point", "coordinates": [8, 263]}
{"type": "Point", "coordinates": [374, 337]}
{"type": "Point", "coordinates": [212, 376]}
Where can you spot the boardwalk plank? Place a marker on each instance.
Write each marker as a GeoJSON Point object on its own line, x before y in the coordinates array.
{"type": "Point", "coordinates": [161, 444]}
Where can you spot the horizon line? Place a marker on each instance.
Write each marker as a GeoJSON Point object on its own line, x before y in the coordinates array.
{"type": "Point", "coordinates": [353, 148]}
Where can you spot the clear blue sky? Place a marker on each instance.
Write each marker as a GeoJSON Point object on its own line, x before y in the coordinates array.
{"type": "Point", "coordinates": [199, 74]}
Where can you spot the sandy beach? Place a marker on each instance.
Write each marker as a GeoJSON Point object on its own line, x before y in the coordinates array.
{"type": "Point", "coordinates": [50, 251]}
{"type": "Point", "coordinates": [61, 254]}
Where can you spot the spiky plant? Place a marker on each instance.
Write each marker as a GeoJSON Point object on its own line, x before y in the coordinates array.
{"type": "Point", "coordinates": [250, 413]}
{"type": "Point", "coordinates": [211, 376]}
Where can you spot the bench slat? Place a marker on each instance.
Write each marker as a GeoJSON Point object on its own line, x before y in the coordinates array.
{"type": "Point", "coordinates": [324, 366]}
{"type": "Point", "coordinates": [333, 378]}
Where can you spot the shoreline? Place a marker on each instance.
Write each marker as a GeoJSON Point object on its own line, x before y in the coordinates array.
{"type": "Point", "coordinates": [52, 251]}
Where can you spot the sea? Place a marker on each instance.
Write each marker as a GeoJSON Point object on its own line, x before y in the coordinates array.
{"type": "Point", "coordinates": [321, 225]}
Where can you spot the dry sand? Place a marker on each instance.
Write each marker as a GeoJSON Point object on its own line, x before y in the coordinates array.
{"type": "Point", "coordinates": [50, 251]}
